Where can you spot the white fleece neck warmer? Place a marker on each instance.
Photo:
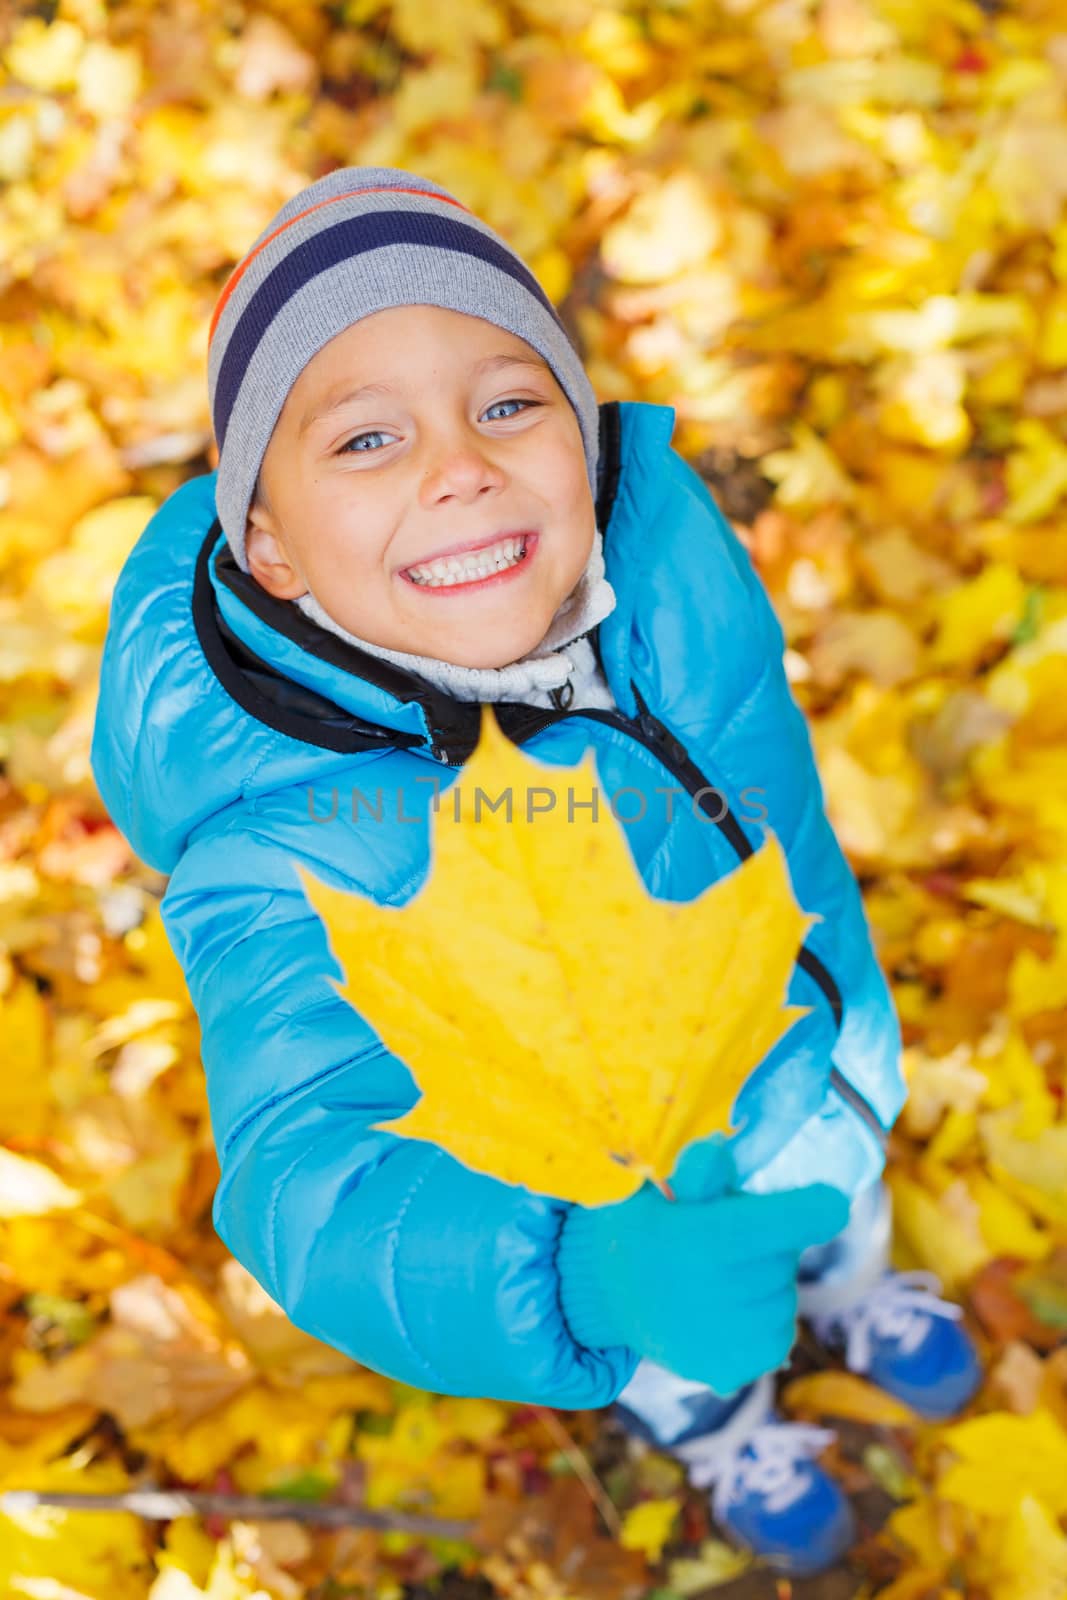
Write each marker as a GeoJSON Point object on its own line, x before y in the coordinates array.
{"type": "Point", "coordinates": [545, 667]}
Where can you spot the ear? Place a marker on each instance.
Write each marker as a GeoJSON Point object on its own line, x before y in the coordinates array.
{"type": "Point", "coordinates": [268, 560]}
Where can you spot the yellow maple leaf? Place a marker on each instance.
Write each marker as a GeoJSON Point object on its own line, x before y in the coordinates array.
{"type": "Point", "coordinates": [919, 1525]}
{"type": "Point", "coordinates": [45, 56]}
{"type": "Point", "coordinates": [1036, 472]}
{"type": "Point", "coordinates": [1032, 1562]}
{"type": "Point", "coordinates": [714, 1563]}
{"type": "Point", "coordinates": [49, 1550]}
{"type": "Point", "coordinates": [1004, 1222]}
{"type": "Point", "coordinates": [420, 25]}
{"type": "Point", "coordinates": [1037, 985]}
{"type": "Point", "coordinates": [187, 1550]}
{"type": "Point", "coordinates": [24, 1098]}
{"type": "Point", "coordinates": [808, 474]}
{"type": "Point", "coordinates": [76, 582]}
{"type": "Point", "coordinates": [939, 1239]}
{"type": "Point", "coordinates": [647, 1526]}
{"type": "Point", "coordinates": [30, 1189]}
{"type": "Point", "coordinates": [424, 1449]}
{"type": "Point", "coordinates": [843, 1394]}
{"type": "Point", "coordinates": [1031, 1164]}
{"type": "Point", "coordinates": [1017, 1081]}
{"type": "Point", "coordinates": [922, 400]}
{"type": "Point", "coordinates": [665, 231]}
{"type": "Point", "coordinates": [1001, 1456]}
{"type": "Point", "coordinates": [987, 607]}
{"type": "Point", "coordinates": [524, 986]}
{"type": "Point", "coordinates": [902, 80]}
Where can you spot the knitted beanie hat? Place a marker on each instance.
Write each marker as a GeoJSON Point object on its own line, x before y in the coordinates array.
{"type": "Point", "coordinates": [360, 240]}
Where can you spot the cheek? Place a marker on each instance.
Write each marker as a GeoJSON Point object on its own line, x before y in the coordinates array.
{"type": "Point", "coordinates": [564, 469]}
{"type": "Point", "coordinates": [336, 509]}
{"type": "Point", "coordinates": [359, 534]}
{"type": "Point", "coordinates": [573, 480]}
{"type": "Point", "coordinates": [577, 473]}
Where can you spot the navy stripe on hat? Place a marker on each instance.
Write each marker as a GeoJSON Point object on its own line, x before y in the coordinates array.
{"type": "Point", "coordinates": [352, 237]}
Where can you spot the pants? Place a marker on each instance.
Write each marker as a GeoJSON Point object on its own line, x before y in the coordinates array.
{"type": "Point", "coordinates": [664, 1409]}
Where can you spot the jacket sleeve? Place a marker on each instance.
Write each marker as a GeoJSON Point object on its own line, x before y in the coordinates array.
{"type": "Point", "coordinates": [386, 1248]}
{"type": "Point", "coordinates": [868, 1048]}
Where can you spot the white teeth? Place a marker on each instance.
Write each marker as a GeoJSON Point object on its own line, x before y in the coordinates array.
{"type": "Point", "coordinates": [451, 570]}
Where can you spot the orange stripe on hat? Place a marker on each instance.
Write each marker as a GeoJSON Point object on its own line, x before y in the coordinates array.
{"type": "Point", "coordinates": [235, 276]}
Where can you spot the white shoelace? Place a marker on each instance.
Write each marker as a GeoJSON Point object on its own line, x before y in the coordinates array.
{"type": "Point", "coordinates": [899, 1307]}
{"type": "Point", "coordinates": [766, 1464]}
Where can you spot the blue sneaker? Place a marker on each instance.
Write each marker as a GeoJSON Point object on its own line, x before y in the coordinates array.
{"type": "Point", "coordinates": [905, 1338]}
{"type": "Point", "coordinates": [768, 1494]}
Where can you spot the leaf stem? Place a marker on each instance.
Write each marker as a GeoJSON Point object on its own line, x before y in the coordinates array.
{"type": "Point", "coordinates": [161, 1505]}
{"type": "Point", "coordinates": [582, 1469]}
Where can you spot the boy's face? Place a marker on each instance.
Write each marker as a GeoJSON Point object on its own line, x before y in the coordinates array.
{"type": "Point", "coordinates": [467, 440]}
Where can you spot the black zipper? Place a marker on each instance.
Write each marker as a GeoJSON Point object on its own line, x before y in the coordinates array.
{"type": "Point", "coordinates": [672, 754]}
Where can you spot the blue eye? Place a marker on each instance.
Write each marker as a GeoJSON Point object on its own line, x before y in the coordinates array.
{"type": "Point", "coordinates": [511, 403]}
{"type": "Point", "coordinates": [351, 446]}
{"type": "Point", "coordinates": [375, 433]}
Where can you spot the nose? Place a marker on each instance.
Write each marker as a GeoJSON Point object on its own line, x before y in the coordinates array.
{"type": "Point", "coordinates": [459, 469]}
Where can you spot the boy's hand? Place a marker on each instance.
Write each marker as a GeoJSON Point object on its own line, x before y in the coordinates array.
{"type": "Point", "coordinates": [707, 1289]}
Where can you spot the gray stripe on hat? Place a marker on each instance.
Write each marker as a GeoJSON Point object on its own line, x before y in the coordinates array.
{"type": "Point", "coordinates": [347, 180]}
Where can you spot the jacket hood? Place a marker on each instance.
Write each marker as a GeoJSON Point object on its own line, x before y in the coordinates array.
{"type": "Point", "coordinates": [198, 658]}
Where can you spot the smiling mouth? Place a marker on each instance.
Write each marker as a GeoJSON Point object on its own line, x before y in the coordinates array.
{"type": "Point", "coordinates": [465, 571]}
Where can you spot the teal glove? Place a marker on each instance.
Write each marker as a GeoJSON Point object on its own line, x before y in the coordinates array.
{"type": "Point", "coordinates": [706, 1288]}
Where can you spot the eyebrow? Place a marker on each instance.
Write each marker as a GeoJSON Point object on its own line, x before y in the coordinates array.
{"type": "Point", "coordinates": [333, 401]}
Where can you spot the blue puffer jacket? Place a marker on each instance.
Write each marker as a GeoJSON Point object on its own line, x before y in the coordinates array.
{"type": "Point", "coordinates": [231, 733]}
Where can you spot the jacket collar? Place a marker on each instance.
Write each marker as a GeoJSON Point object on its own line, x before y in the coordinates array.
{"type": "Point", "coordinates": [313, 686]}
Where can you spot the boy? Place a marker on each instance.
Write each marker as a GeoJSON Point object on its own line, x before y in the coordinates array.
{"type": "Point", "coordinates": [419, 508]}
